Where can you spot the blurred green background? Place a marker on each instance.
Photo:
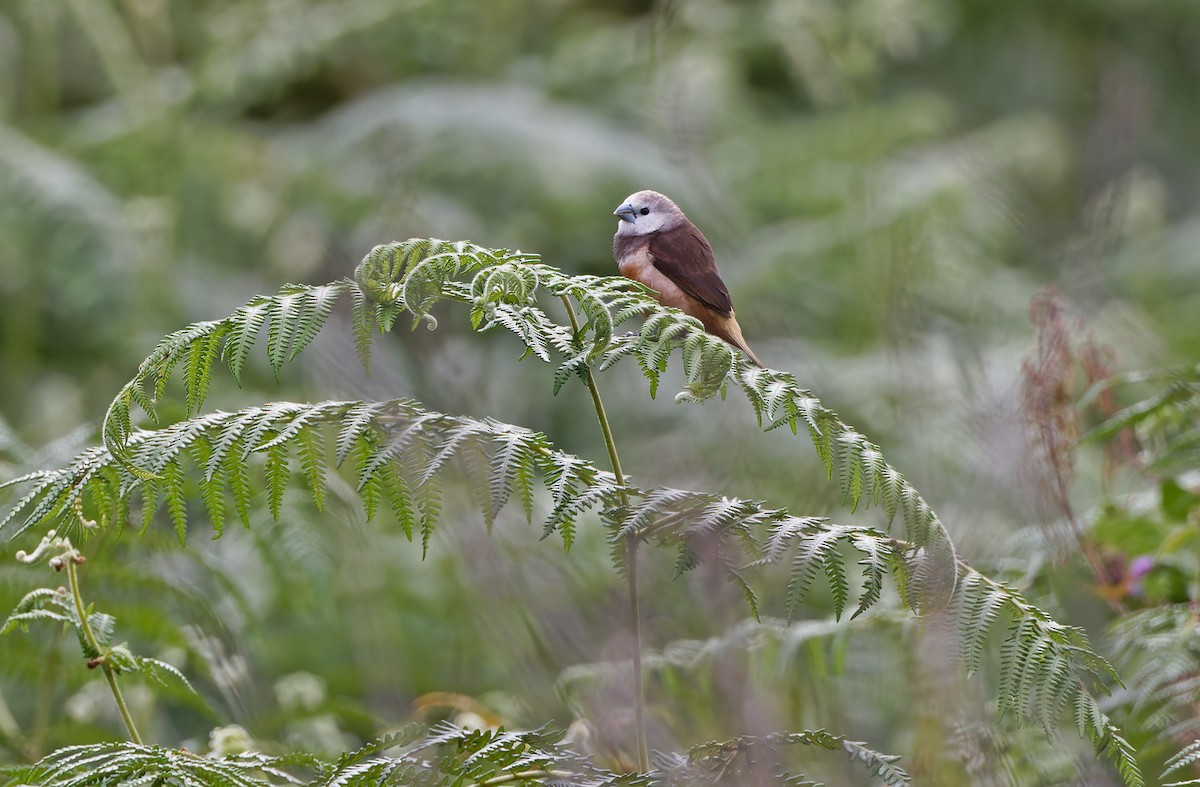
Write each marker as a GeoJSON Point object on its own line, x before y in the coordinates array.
{"type": "Point", "coordinates": [887, 184]}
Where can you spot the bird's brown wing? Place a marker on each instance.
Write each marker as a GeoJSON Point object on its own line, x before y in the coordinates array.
{"type": "Point", "coordinates": [684, 256]}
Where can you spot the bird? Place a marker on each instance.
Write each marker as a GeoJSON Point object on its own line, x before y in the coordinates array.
{"type": "Point", "coordinates": [657, 245]}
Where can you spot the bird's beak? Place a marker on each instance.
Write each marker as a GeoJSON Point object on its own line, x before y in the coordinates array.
{"type": "Point", "coordinates": [625, 213]}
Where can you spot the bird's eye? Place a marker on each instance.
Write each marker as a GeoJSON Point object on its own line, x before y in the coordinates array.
{"type": "Point", "coordinates": [644, 211]}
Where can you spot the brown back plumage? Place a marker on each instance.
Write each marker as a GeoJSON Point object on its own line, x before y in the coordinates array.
{"type": "Point", "coordinates": [684, 255]}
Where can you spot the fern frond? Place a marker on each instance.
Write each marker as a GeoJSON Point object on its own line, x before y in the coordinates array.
{"type": "Point", "coordinates": [447, 754]}
{"type": "Point", "coordinates": [243, 332]}
{"type": "Point", "coordinates": [172, 483]}
{"type": "Point", "coordinates": [878, 558]}
{"type": "Point", "coordinates": [863, 472]}
{"type": "Point", "coordinates": [1044, 667]}
{"type": "Point", "coordinates": [39, 604]}
{"type": "Point", "coordinates": [1186, 758]}
{"type": "Point", "coordinates": [750, 755]}
{"type": "Point", "coordinates": [977, 605]}
{"type": "Point", "coordinates": [132, 763]}
{"type": "Point", "coordinates": [1158, 650]}
{"type": "Point", "coordinates": [429, 496]}
{"type": "Point", "coordinates": [513, 464]}
{"type": "Point", "coordinates": [1166, 421]}
{"type": "Point", "coordinates": [362, 329]}
{"type": "Point", "coordinates": [501, 289]}
{"type": "Point", "coordinates": [294, 317]}
{"type": "Point", "coordinates": [400, 450]}
{"type": "Point", "coordinates": [277, 476]}
{"type": "Point", "coordinates": [312, 462]}
{"type": "Point", "coordinates": [155, 669]}
{"type": "Point", "coordinates": [200, 356]}
{"type": "Point", "coordinates": [813, 552]}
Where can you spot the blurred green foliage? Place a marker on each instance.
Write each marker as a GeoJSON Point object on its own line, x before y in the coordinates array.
{"type": "Point", "coordinates": [887, 184]}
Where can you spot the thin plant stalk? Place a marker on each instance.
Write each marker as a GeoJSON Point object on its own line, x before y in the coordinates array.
{"type": "Point", "coordinates": [631, 550]}
{"type": "Point", "coordinates": [109, 674]}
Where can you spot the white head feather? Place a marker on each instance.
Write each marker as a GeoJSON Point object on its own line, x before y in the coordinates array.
{"type": "Point", "coordinates": [646, 212]}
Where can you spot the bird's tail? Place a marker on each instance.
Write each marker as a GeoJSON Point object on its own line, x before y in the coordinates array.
{"type": "Point", "coordinates": [730, 331]}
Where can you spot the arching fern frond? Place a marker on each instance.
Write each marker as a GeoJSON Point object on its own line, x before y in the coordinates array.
{"type": "Point", "coordinates": [1188, 758]}
{"type": "Point", "coordinates": [133, 763]}
{"type": "Point", "coordinates": [751, 757]}
{"type": "Point", "coordinates": [1165, 420]}
{"type": "Point", "coordinates": [1159, 651]}
{"type": "Point", "coordinates": [448, 754]}
{"type": "Point", "coordinates": [293, 318]}
{"type": "Point", "coordinates": [1046, 668]}
{"type": "Point", "coordinates": [502, 289]}
{"type": "Point", "coordinates": [55, 605]}
{"type": "Point", "coordinates": [398, 451]}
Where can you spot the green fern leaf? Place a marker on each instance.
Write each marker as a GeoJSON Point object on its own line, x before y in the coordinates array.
{"type": "Point", "coordinates": [244, 326]}
{"type": "Point", "coordinates": [300, 417]}
{"type": "Point", "coordinates": [876, 561]}
{"type": "Point", "coordinates": [430, 498]}
{"type": "Point", "coordinates": [357, 422]}
{"type": "Point", "coordinates": [23, 619]}
{"type": "Point", "coordinates": [214, 503]}
{"type": "Point", "coordinates": [200, 356]}
{"type": "Point", "coordinates": [512, 467]}
{"type": "Point", "coordinates": [657, 504]}
{"type": "Point", "coordinates": [370, 485]}
{"type": "Point", "coordinates": [118, 422]}
{"type": "Point", "coordinates": [891, 485]}
{"type": "Point", "coordinates": [839, 587]}
{"type": "Point", "coordinates": [566, 514]}
{"type": "Point", "coordinates": [151, 501]}
{"type": "Point", "coordinates": [812, 553]}
{"type": "Point", "coordinates": [851, 468]}
{"type": "Point", "coordinates": [229, 437]}
{"type": "Point", "coordinates": [1186, 758]}
{"type": "Point", "coordinates": [401, 496]}
{"type": "Point", "coordinates": [47, 482]}
{"type": "Point", "coordinates": [361, 321]}
{"type": "Point", "coordinates": [236, 473]}
{"type": "Point", "coordinates": [978, 606]}
{"type": "Point", "coordinates": [312, 462]}
{"type": "Point", "coordinates": [747, 592]}
{"type": "Point", "coordinates": [318, 303]}
{"type": "Point", "coordinates": [172, 481]}
{"type": "Point", "coordinates": [154, 668]}
{"type": "Point", "coordinates": [277, 475]}
{"type": "Point", "coordinates": [576, 366]}
{"type": "Point", "coordinates": [283, 315]}
{"type": "Point", "coordinates": [454, 441]}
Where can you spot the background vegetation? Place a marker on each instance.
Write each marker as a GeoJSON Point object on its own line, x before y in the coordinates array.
{"type": "Point", "coordinates": [890, 186]}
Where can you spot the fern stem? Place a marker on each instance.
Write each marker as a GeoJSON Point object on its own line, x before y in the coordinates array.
{"type": "Point", "coordinates": [631, 548]}
{"type": "Point", "coordinates": [10, 730]}
{"type": "Point", "coordinates": [635, 623]}
{"type": "Point", "coordinates": [109, 675]}
{"type": "Point", "coordinates": [598, 404]}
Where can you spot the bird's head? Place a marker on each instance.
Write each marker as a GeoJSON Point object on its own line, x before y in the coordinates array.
{"type": "Point", "coordinates": [646, 212]}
